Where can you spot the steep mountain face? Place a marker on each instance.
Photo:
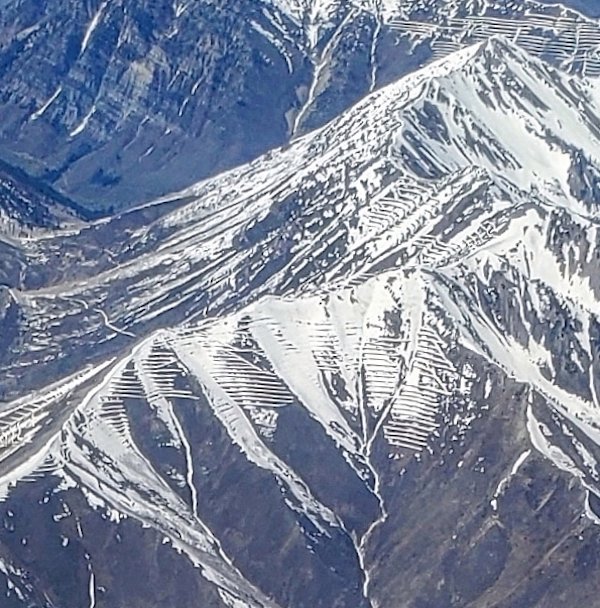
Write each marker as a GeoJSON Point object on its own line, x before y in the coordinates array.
{"type": "Point", "coordinates": [173, 91]}
{"type": "Point", "coordinates": [97, 94]}
{"type": "Point", "coordinates": [27, 206]}
{"type": "Point", "coordinates": [361, 371]}
{"type": "Point", "coordinates": [28, 209]}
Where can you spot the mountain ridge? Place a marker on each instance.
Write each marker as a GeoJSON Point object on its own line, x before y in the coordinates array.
{"type": "Point", "coordinates": [378, 304]}
{"type": "Point", "coordinates": [130, 90]}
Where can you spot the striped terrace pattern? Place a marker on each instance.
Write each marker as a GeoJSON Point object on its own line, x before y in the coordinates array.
{"type": "Point", "coordinates": [414, 412]}
{"type": "Point", "coordinates": [571, 42]}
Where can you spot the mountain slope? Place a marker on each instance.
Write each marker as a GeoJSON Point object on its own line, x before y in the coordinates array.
{"type": "Point", "coordinates": [180, 91]}
{"type": "Point", "coordinates": [27, 205]}
{"type": "Point", "coordinates": [175, 91]}
{"type": "Point", "coordinates": [360, 371]}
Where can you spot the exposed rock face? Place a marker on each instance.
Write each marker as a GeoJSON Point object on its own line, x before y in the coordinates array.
{"type": "Point", "coordinates": [27, 205]}
{"type": "Point", "coordinates": [585, 180]}
{"type": "Point", "coordinates": [121, 87]}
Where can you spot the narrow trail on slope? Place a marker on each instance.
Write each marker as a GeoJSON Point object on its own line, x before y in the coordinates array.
{"type": "Point", "coordinates": [110, 326]}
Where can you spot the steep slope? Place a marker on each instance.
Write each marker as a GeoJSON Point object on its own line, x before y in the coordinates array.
{"type": "Point", "coordinates": [26, 206]}
{"type": "Point", "coordinates": [360, 371]}
{"type": "Point", "coordinates": [551, 30]}
{"type": "Point", "coordinates": [96, 94]}
{"type": "Point", "coordinates": [174, 91]}
{"type": "Point", "coordinates": [28, 209]}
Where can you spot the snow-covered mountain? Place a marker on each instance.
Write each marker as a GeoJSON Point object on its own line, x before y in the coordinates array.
{"type": "Point", "coordinates": [97, 94]}
{"type": "Point", "coordinates": [361, 370]}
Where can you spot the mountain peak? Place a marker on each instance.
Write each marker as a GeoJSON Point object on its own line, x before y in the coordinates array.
{"type": "Point", "coordinates": [500, 50]}
{"type": "Point", "coordinates": [499, 45]}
